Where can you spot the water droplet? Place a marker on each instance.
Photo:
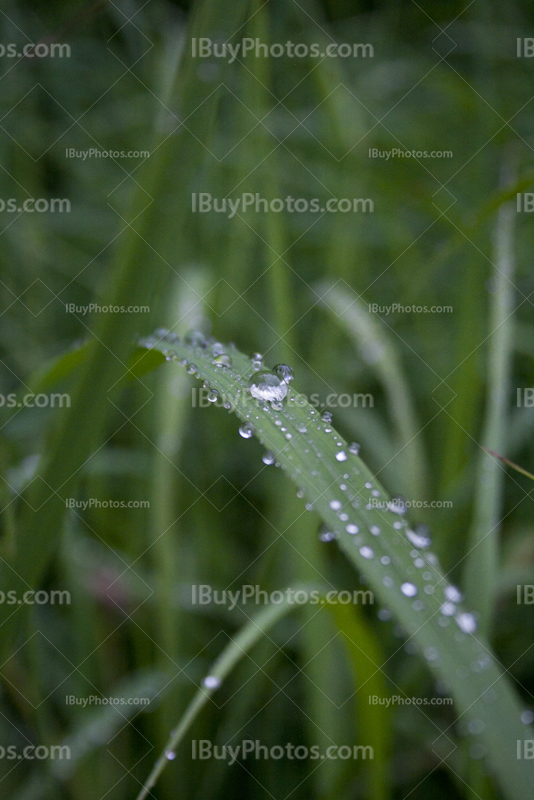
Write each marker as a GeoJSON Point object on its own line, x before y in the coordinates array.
{"type": "Point", "coordinates": [341, 456]}
{"type": "Point", "coordinates": [366, 552]}
{"type": "Point", "coordinates": [384, 615]}
{"type": "Point", "coordinates": [352, 529]}
{"type": "Point", "coordinates": [213, 395]}
{"type": "Point", "coordinates": [448, 609]}
{"type": "Point", "coordinates": [408, 589]}
{"type": "Point", "coordinates": [170, 755]}
{"type": "Point", "coordinates": [452, 593]}
{"type": "Point", "coordinates": [246, 430]}
{"type": "Point", "coordinates": [264, 385]}
{"type": "Point", "coordinates": [192, 369]}
{"type": "Point", "coordinates": [335, 505]}
{"type": "Point", "coordinates": [385, 560]}
{"type": "Point", "coordinates": [211, 682]}
{"type": "Point", "coordinates": [527, 717]}
{"type": "Point", "coordinates": [354, 448]}
{"type": "Point", "coordinates": [223, 360]}
{"type": "Point", "coordinates": [417, 539]}
{"type": "Point", "coordinates": [326, 536]}
{"type": "Point", "coordinates": [301, 427]}
{"type": "Point", "coordinates": [466, 622]}
{"type": "Point", "coordinates": [368, 485]}
{"type": "Point", "coordinates": [397, 507]}
{"type": "Point", "coordinates": [218, 349]}
{"type": "Point", "coordinates": [375, 530]}
{"type": "Point", "coordinates": [268, 458]}
{"type": "Point", "coordinates": [161, 333]}
{"type": "Point", "coordinates": [326, 416]}
{"type": "Point", "coordinates": [195, 338]}
{"type": "Point", "coordinates": [387, 581]}
{"type": "Point", "coordinates": [284, 372]}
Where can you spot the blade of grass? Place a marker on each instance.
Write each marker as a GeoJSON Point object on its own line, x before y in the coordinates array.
{"type": "Point", "coordinates": [366, 658]}
{"type": "Point", "coordinates": [383, 551]}
{"type": "Point", "coordinates": [130, 285]}
{"type": "Point", "coordinates": [247, 637]}
{"type": "Point", "coordinates": [368, 334]}
{"type": "Point", "coordinates": [481, 565]}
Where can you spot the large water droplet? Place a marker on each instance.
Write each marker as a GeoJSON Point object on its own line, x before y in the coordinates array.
{"type": "Point", "coordinates": [264, 385]}
{"type": "Point", "coordinates": [326, 416]}
{"type": "Point", "coordinates": [268, 457]}
{"type": "Point", "coordinates": [326, 536]}
{"type": "Point", "coordinates": [354, 448]}
{"type": "Point", "coordinates": [408, 589]}
{"type": "Point", "coordinates": [246, 430]}
{"type": "Point", "coordinates": [341, 456]}
{"type": "Point", "coordinates": [366, 552]}
{"type": "Point", "coordinates": [417, 539]}
{"type": "Point", "coordinates": [466, 622]}
{"type": "Point", "coordinates": [452, 593]}
{"type": "Point", "coordinates": [211, 682]}
{"type": "Point", "coordinates": [223, 360]}
{"type": "Point", "coordinates": [284, 372]}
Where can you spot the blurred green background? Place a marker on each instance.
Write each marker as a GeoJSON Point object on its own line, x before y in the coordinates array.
{"type": "Point", "coordinates": [442, 232]}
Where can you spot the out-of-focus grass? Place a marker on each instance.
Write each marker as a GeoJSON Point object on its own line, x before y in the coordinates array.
{"type": "Point", "coordinates": [218, 517]}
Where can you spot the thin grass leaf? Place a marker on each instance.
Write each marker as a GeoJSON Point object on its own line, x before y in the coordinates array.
{"type": "Point", "coordinates": [247, 637]}
{"type": "Point", "coordinates": [384, 360]}
{"type": "Point", "coordinates": [510, 463]}
{"type": "Point", "coordinates": [482, 559]}
{"type": "Point", "coordinates": [404, 575]}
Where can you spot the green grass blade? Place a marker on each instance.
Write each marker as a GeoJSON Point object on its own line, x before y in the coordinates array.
{"type": "Point", "coordinates": [368, 333]}
{"type": "Point", "coordinates": [481, 565]}
{"type": "Point", "coordinates": [247, 637]}
{"type": "Point", "coordinates": [340, 492]}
